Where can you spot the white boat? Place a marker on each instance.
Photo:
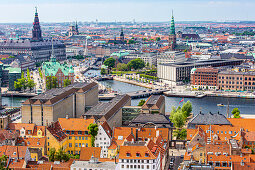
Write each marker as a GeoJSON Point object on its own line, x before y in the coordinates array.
{"type": "Point", "coordinates": [220, 104]}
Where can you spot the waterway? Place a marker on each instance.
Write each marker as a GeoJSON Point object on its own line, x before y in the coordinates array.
{"type": "Point", "coordinates": [205, 105]}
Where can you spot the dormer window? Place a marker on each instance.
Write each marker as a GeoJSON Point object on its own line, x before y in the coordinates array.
{"type": "Point", "coordinates": [137, 154]}
{"type": "Point", "coordinates": [128, 154]}
{"type": "Point", "coordinates": [79, 133]}
{"type": "Point", "coordinates": [146, 154]}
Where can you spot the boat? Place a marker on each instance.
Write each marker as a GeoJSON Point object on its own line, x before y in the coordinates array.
{"type": "Point", "coordinates": [220, 104]}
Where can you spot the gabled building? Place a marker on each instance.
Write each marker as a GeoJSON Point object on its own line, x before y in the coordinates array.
{"type": "Point", "coordinates": [8, 137]}
{"type": "Point", "coordinates": [27, 129]}
{"type": "Point", "coordinates": [154, 104]}
{"type": "Point", "coordinates": [103, 138]}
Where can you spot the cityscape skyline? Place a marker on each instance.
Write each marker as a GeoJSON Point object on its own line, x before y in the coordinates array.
{"type": "Point", "coordinates": [123, 11]}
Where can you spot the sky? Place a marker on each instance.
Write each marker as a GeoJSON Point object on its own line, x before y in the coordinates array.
{"type": "Point", "coordinates": [22, 11]}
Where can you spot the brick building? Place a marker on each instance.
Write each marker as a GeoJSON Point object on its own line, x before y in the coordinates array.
{"type": "Point", "coordinates": [231, 80]}
{"type": "Point", "coordinates": [205, 77]}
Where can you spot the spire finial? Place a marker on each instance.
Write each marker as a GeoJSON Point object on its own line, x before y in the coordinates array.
{"type": "Point", "coordinates": [36, 9]}
{"type": "Point", "coordinates": [172, 13]}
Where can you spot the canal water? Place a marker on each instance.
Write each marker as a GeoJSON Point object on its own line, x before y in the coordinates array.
{"type": "Point", "coordinates": [206, 104]}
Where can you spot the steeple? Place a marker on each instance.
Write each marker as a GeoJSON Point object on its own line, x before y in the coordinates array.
{"type": "Point", "coordinates": [36, 32]}
{"type": "Point", "coordinates": [76, 28]}
{"type": "Point", "coordinates": [172, 27]}
{"type": "Point", "coordinates": [122, 39]}
{"type": "Point", "coordinates": [52, 57]}
{"type": "Point", "coordinates": [172, 35]}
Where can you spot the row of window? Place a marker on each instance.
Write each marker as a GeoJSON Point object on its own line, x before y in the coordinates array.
{"type": "Point", "coordinates": [137, 166]}
{"type": "Point", "coordinates": [79, 137]}
{"type": "Point", "coordinates": [237, 78]}
{"type": "Point", "coordinates": [136, 161]}
{"type": "Point", "coordinates": [80, 145]}
{"type": "Point", "coordinates": [79, 132]}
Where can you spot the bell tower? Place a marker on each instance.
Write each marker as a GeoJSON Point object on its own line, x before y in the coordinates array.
{"type": "Point", "coordinates": [172, 35]}
{"type": "Point", "coordinates": [36, 32]}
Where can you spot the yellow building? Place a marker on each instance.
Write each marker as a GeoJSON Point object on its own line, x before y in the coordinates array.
{"type": "Point", "coordinates": [113, 149]}
{"type": "Point", "coordinates": [69, 133]}
{"type": "Point", "coordinates": [36, 143]}
{"type": "Point", "coordinates": [56, 138]}
{"type": "Point", "coordinates": [78, 134]}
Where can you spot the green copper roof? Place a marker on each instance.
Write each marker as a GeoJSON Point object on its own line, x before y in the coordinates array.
{"type": "Point", "coordinates": [120, 53]}
{"type": "Point", "coordinates": [51, 68]}
{"type": "Point", "coordinates": [172, 27]}
{"type": "Point", "coordinates": [13, 70]}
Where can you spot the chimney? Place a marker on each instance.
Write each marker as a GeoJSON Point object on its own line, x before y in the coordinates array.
{"type": "Point", "coordinates": [157, 133]}
{"type": "Point", "coordinates": [136, 134]}
{"type": "Point", "coordinates": [66, 116]}
{"type": "Point", "coordinates": [242, 163]}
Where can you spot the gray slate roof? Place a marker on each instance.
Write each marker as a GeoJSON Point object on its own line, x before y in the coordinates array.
{"type": "Point", "coordinates": [208, 119]}
{"type": "Point", "coordinates": [158, 119]}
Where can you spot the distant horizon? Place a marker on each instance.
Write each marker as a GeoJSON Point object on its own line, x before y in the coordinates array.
{"type": "Point", "coordinates": [59, 11]}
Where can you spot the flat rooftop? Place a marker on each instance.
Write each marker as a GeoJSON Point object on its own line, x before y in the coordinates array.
{"type": "Point", "coordinates": [197, 63]}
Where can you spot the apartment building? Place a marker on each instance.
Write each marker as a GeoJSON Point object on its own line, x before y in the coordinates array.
{"type": "Point", "coordinates": [231, 80]}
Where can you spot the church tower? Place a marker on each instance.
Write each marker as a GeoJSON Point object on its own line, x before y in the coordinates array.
{"type": "Point", "coordinates": [36, 32]}
{"type": "Point", "coordinates": [172, 35]}
{"type": "Point", "coordinates": [122, 39]}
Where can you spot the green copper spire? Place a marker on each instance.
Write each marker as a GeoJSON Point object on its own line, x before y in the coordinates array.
{"type": "Point", "coordinates": [53, 57]}
{"type": "Point", "coordinates": [172, 27]}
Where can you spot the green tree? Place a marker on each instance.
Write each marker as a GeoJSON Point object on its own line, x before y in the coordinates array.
{"type": "Point", "coordinates": [122, 67]}
{"type": "Point", "coordinates": [178, 119]}
{"type": "Point", "coordinates": [17, 85]}
{"type": "Point", "coordinates": [30, 84]}
{"type": "Point", "coordinates": [136, 64]}
{"type": "Point", "coordinates": [236, 113]}
{"type": "Point", "coordinates": [186, 109]}
{"type": "Point", "coordinates": [52, 153]}
{"type": "Point", "coordinates": [67, 82]}
{"type": "Point", "coordinates": [158, 39]}
{"type": "Point", "coordinates": [49, 82]}
{"type": "Point", "coordinates": [93, 130]}
{"type": "Point", "coordinates": [40, 72]}
{"type": "Point", "coordinates": [141, 102]}
{"type": "Point", "coordinates": [54, 82]}
{"type": "Point", "coordinates": [61, 155]}
{"type": "Point", "coordinates": [103, 72]}
{"type": "Point", "coordinates": [28, 74]}
{"type": "Point", "coordinates": [180, 134]}
{"type": "Point", "coordinates": [110, 62]}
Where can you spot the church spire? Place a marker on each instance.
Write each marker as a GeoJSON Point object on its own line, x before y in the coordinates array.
{"type": "Point", "coordinates": [172, 27]}
{"type": "Point", "coordinates": [52, 57]}
{"type": "Point", "coordinates": [36, 32]}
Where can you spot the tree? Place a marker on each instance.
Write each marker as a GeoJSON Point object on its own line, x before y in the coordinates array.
{"type": "Point", "coordinates": [103, 72]}
{"type": "Point", "coordinates": [54, 82]}
{"type": "Point", "coordinates": [186, 109]}
{"type": "Point", "coordinates": [141, 103]}
{"type": "Point", "coordinates": [180, 134]}
{"type": "Point", "coordinates": [28, 74]}
{"type": "Point", "coordinates": [110, 62]}
{"type": "Point", "coordinates": [17, 85]}
{"type": "Point", "coordinates": [40, 72]}
{"type": "Point", "coordinates": [158, 39]}
{"type": "Point", "coordinates": [236, 113]}
{"type": "Point", "coordinates": [48, 82]}
{"type": "Point", "coordinates": [136, 64]}
{"type": "Point", "coordinates": [52, 153]}
{"type": "Point", "coordinates": [67, 82]}
{"type": "Point", "coordinates": [178, 120]}
{"type": "Point", "coordinates": [30, 84]}
{"type": "Point", "coordinates": [61, 155]}
{"type": "Point", "coordinates": [93, 130]}
{"type": "Point", "coordinates": [122, 67]}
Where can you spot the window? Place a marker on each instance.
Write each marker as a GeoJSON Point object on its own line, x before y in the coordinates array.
{"type": "Point", "coordinates": [137, 154]}
{"type": "Point", "coordinates": [72, 132]}
{"type": "Point", "coordinates": [76, 144]}
{"type": "Point", "coordinates": [76, 138]}
{"type": "Point", "coordinates": [67, 132]}
{"type": "Point", "coordinates": [122, 166]}
{"type": "Point", "coordinates": [86, 132]}
{"type": "Point", "coordinates": [128, 154]}
{"type": "Point", "coordinates": [70, 137]}
{"type": "Point", "coordinates": [148, 166]}
{"type": "Point", "coordinates": [79, 132]}
{"type": "Point", "coordinates": [217, 164]}
{"type": "Point", "coordinates": [146, 154]}
{"type": "Point", "coordinates": [70, 145]}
